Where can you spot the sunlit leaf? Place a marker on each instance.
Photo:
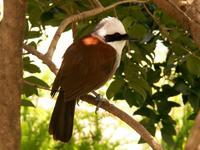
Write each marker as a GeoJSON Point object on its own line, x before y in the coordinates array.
{"type": "Point", "coordinates": [36, 81]}
{"type": "Point", "coordinates": [27, 103]}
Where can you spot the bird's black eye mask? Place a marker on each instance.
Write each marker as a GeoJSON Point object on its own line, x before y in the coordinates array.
{"type": "Point", "coordinates": [116, 37]}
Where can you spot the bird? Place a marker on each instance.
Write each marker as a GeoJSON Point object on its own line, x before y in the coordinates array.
{"type": "Point", "coordinates": [87, 64]}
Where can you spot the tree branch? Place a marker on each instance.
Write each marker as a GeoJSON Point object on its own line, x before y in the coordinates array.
{"type": "Point", "coordinates": [81, 16]}
{"type": "Point", "coordinates": [97, 3]}
{"type": "Point", "coordinates": [42, 57]}
{"type": "Point", "coordinates": [125, 118]}
{"type": "Point", "coordinates": [105, 104]}
{"type": "Point", "coordinates": [193, 142]}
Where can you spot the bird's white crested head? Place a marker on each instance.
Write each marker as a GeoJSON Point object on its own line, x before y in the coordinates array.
{"type": "Point", "coordinates": [109, 26]}
{"type": "Point", "coordinates": [111, 31]}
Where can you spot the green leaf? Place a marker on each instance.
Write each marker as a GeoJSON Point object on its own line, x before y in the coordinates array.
{"type": "Point", "coordinates": [114, 87]}
{"type": "Point", "coordinates": [181, 86]}
{"type": "Point", "coordinates": [145, 111]}
{"type": "Point", "coordinates": [27, 103]}
{"type": "Point", "coordinates": [167, 20]}
{"type": "Point", "coordinates": [167, 132]}
{"type": "Point", "coordinates": [33, 34]}
{"type": "Point", "coordinates": [138, 31]}
{"type": "Point", "coordinates": [193, 65]}
{"type": "Point", "coordinates": [166, 119]}
{"type": "Point", "coordinates": [164, 107]}
{"type": "Point", "coordinates": [84, 28]}
{"type": "Point", "coordinates": [37, 81]}
{"type": "Point", "coordinates": [135, 80]}
{"type": "Point", "coordinates": [166, 137]}
{"type": "Point", "coordinates": [195, 102]}
{"type": "Point", "coordinates": [138, 14]}
{"type": "Point", "coordinates": [127, 22]}
{"type": "Point", "coordinates": [192, 116]}
{"type": "Point", "coordinates": [31, 68]}
{"type": "Point", "coordinates": [168, 128]}
{"type": "Point", "coordinates": [34, 12]}
{"type": "Point", "coordinates": [169, 91]}
{"type": "Point", "coordinates": [177, 49]}
{"type": "Point", "coordinates": [26, 60]}
{"type": "Point", "coordinates": [153, 76]}
{"type": "Point", "coordinates": [148, 123]}
{"type": "Point", "coordinates": [29, 90]}
{"type": "Point", "coordinates": [133, 98]}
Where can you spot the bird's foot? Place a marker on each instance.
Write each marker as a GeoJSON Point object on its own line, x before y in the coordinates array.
{"type": "Point", "coordinates": [77, 102]}
{"type": "Point", "coordinates": [99, 99]}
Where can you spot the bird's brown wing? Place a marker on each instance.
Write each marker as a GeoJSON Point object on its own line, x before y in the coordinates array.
{"type": "Point", "coordinates": [85, 67]}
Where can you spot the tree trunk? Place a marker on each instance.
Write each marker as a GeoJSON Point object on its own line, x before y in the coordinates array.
{"type": "Point", "coordinates": [11, 38]}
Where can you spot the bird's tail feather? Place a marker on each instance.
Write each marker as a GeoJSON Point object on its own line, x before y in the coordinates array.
{"type": "Point", "coordinates": [61, 124]}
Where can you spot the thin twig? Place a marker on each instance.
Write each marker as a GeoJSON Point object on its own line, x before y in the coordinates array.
{"type": "Point", "coordinates": [36, 85]}
{"type": "Point", "coordinates": [97, 3]}
{"type": "Point", "coordinates": [81, 16]}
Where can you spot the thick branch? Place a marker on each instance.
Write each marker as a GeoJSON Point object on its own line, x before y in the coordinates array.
{"type": "Point", "coordinates": [193, 142]}
{"type": "Point", "coordinates": [81, 16]}
{"type": "Point", "coordinates": [108, 107]}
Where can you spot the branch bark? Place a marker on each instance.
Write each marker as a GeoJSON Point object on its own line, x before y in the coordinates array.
{"type": "Point", "coordinates": [125, 118]}
{"type": "Point", "coordinates": [11, 38]}
{"type": "Point", "coordinates": [81, 16]}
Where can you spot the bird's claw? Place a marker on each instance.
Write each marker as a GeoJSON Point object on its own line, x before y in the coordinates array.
{"type": "Point", "coordinates": [99, 101]}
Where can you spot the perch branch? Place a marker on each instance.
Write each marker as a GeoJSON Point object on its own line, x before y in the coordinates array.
{"type": "Point", "coordinates": [105, 105]}
{"type": "Point", "coordinates": [125, 118]}
{"type": "Point", "coordinates": [81, 16]}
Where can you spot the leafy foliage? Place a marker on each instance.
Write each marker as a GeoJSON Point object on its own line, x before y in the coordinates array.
{"type": "Point", "coordinates": [140, 81]}
{"type": "Point", "coordinates": [35, 134]}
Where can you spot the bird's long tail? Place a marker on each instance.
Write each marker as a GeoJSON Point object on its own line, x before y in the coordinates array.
{"type": "Point", "coordinates": [61, 124]}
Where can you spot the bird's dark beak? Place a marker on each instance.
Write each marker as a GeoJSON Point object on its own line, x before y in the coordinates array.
{"type": "Point", "coordinates": [128, 38]}
{"type": "Point", "coordinates": [124, 37]}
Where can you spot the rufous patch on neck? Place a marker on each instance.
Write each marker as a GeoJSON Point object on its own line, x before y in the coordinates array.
{"type": "Point", "coordinates": [90, 40]}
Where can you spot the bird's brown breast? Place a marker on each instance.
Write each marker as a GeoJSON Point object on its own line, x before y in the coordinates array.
{"type": "Point", "coordinates": [87, 64]}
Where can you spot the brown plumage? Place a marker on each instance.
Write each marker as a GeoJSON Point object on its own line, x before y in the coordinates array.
{"type": "Point", "coordinates": [85, 68]}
